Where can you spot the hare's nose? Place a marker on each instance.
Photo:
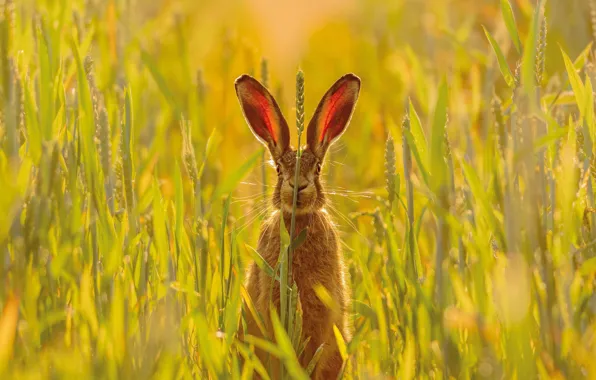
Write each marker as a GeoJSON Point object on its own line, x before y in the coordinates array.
{"type": "Point", "coordinates": [300, 188]}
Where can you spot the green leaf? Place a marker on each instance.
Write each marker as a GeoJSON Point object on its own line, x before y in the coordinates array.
{"type": "Point", "coordinates": [364, 310]}
{"type": "Point", "coordinates": [212, 142]}
{"type": "Point", "coordinates": [160, 236]}
{"type": "Point", "coordinates": [557, 99]}
{"type": "Point", "coordinates": [505, 71]}
{"type": "Point", "coordinates": [582, 58]}
{"type": "Point", "coordinates": [575, 81]}
{"type": "Point", "coordinates": [418, 134]}
{"type": "Point", "coordinates": [264, 345]}
{"type": "Point", "coordinates": [179, 202]}
{"type": "Point", "coordinates": [87, 124]}
{"type": "Point", "coordinates": [58, 121]}
{"type": "Point", "coordinates": [481, 197]}
{"type": "Point", "coordinates": [589, 109]}
{"type": "Point", "coordinates": [253, 360]}
{"type": "Point", "coordinates": [341, 343]}
{"type": "Point", "coordinates": [509, 19]}
{"type": "Point", "coordinates": [407, 369]}
{"type": "Point", "coordinates": [294, 318]}
{"type": "Point", "coordinates": [209, 347]}
{"type": "Point", "coordinates": [545, 141]}
{"type": "Point", "coordinates": [283, 268]}
{"type": "Point", "coordinates": [315, 359]}
{"type": "Point", "coordinates": [260, 261]}
{"type": "Point", "coordinates": [297, 340]}
{"type": "Point", "coordinates": [419, 160]}
{"type": "Point", "coordinates": [222, 246]}
{"type": "Point", "coordinates": [323, 294]}
{"type": "Point", "coordinates": [588, 267]}
{"type": "Point", "coordinates": [438, 167]}
{"type": "Point", "coordinates": [248, 302]}
{"type": "Point", "coordinates": [285, 345]}
{"type": "Point", "coordinates": [236, 176]}
{"type": "Point", "coordinates": [528, 77]}
{"type": "Point", "coordinates": [299, 240]}
{"type": "Point", "coordinates": [58, 99]}
{"type": "Point", "coordinates": [34, 140]}
{"type": "Point", "coordinates": [549, 139]}
{"type": "Point", "coordinates": [47, 78]}
{"type": "Point", "coordinates": [360, 335]}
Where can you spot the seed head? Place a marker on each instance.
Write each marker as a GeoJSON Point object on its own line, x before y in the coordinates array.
{"type": "Point", "coordinates": [390, 169]}
{"type": "Point", "coordinates": [300, 101]}
{"type": "Point", "coordinates": [540, 50]}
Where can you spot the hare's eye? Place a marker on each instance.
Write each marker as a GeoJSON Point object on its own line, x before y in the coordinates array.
{"type": "Point", "coordinates": [278, 169]}
{"type": "Point", "coordinates": [318, 169]}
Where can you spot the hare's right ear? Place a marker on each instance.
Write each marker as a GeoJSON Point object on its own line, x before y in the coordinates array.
{"type": "Point", "coordinates": [263, 115]}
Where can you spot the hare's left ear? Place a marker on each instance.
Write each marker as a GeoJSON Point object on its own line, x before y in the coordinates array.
{"type": "Point", "coordinates": [333, 114]}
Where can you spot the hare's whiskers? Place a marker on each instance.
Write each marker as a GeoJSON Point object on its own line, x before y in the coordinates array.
{"type": "Point", "coordinates": [257, 207]}
{"type": "Point", "coordinates": [257, 183]}
{"type": "Point", "coordinates": [252, 219]}
{"type": "Point", "coordinates": [344, 218]}
{"type": "Point", "coordinates": [245, 199]}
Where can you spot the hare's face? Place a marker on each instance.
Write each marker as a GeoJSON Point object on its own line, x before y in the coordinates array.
{"type": "Point", "coordinates": [269, 126]}
{"type": "Point", "coordinates": [309, 192]}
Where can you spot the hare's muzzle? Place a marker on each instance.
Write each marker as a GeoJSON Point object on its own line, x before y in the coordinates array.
{"type": "Point", "coordinates": [300, 188]}
{"type": "Point", "coordinates": [306, 196]}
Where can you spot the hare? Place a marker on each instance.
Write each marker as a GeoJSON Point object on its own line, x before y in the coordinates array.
{"type": "Point", "coordinates": [318, 260]}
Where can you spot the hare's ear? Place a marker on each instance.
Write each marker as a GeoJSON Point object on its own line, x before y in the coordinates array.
{"type": "Point", "coordinates": [333, 114]}
{"type": "Point", "coordinates": [263, 115]}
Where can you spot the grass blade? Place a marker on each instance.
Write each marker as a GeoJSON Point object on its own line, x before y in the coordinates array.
{"type": "Point", "coordinates": [503, 66]}
{"type": "Point", "coordinates": [509, 19]}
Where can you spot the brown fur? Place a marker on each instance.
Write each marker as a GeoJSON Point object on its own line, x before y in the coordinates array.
{"type": "Point", "coordinates": [318, 260]}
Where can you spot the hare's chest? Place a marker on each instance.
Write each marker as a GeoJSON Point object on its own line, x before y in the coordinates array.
{"type": "Point", "coordinates": [315, 261]}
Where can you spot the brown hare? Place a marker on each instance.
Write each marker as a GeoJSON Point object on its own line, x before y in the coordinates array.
{"type": "Point", "coordinates": [318, 260]}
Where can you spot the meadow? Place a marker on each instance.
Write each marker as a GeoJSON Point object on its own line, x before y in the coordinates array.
{"type": "Point", "coordinates": [132, 191]}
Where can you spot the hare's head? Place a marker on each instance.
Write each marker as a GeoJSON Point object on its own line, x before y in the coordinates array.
{"type": "Point", "coordinates": [269, 126]}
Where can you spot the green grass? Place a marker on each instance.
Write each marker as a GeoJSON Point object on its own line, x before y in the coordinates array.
{"type": "Point", "coordinates": [131, 189]}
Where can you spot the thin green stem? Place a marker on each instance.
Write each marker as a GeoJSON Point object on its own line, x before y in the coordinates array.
{"type": "Point", "coordinates": [300, 128]}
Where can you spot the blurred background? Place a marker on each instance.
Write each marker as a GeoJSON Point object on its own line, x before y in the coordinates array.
{"type": "Point", "coordinates": [152, 66]}
{"type": "Point", "coordinates": [399, 48]}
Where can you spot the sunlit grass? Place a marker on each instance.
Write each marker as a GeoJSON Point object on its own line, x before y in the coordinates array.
{"type": "Point", "coordinates": [131, 190]}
